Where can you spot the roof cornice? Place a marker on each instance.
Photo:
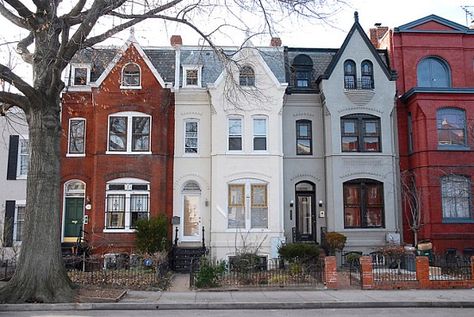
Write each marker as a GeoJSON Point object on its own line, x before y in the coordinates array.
{"type": "Point", "coordinates": [435, 90]}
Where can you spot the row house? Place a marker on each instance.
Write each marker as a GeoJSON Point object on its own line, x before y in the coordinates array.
{"type": "Point", "coordinates": [434, 59]}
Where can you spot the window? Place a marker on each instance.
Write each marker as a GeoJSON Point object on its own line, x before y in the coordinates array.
{"type": "Point", "coordinates": [367, 79]}
{"type": "Point", "coordinates": [131, 75]}
{"type": "Point", "coordinates": [191, 77]}
{"type": "Point", "coordinates": [191, 137]}
{"type": "Point", "coordinates": [77, 136]}
{"type": "Point", "coordinates": [259, 134]}
{"type": "Point", "coordinates": [257, 204]}
{"type": "Point", "coordinates": [456, 197]}
{"type": "Point", "coordinates": [433, 72]}
{"type": "Point", "coordinates": [129, 132]}
{"type": "Point", "coordinates": [19, 222]}
{"type": "Point", "coordinates": [303, 67]}
{"type": "Point", "coordinates": [451, 124]}
{"type": "Point", "coordinates": [235, 134]}
{"type": "Point", "coordinates": [247, 76]}
{"type": "Point", "coordinates": [304, 142]}
{"type": "Point", "coordinates": [350, 75]}
{"type": "Point", "coordinates": [23, 158]}
{"type": "Point", "coordinates": [191, 218]}
{"type": "Point", "coordinates": [13, 222]}
{"type": "Point", "coordinates": [363, 204]}
{"type": "Point", "coordinates": [360, 133]}
{"type": "Point", "coordinates": [81, 76]}
{"type": "Point", "coordinates": [127, 201]}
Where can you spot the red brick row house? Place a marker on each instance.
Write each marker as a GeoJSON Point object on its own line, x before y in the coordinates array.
{"type": "Point", "coordinates": [117, 163]}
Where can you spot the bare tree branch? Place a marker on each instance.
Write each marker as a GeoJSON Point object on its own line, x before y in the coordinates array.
{"type": "Point", "coordinates": [77, 8]}
{"type": "Point", "coordinates": [22, 48]}
{"type": "Point", "coordinates": [9, 99]}
{"type": "Point", "coordinates": [13, 18]}
{"type": "Point", "coordinates": [7, 75]}
{"type": "Point", "coordinates": [22, 10]}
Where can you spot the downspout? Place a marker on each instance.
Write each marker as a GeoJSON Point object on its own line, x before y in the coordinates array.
{"type": "Point", "coordinates": [210, 165]}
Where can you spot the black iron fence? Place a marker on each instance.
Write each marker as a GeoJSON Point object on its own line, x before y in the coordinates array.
{"type": "Point", "coordinates": [387, 268]}
{"type": "Point", "coordinates": [449, 267]}
{"type": "Point", "coordinates": [350, 264]}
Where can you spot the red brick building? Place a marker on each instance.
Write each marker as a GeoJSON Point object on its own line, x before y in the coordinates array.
{"type": "Point", "coordinates": [118, 123]}
{"type": "Point", "coordinates": [434, 59]}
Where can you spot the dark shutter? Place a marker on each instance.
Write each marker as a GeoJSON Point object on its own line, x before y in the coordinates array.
{"type": "Point", "coordinates": [12, 157]}
{"type": "Point", "coordinates": [9, 223]}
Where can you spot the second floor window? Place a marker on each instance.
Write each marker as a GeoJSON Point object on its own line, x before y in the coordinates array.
{"type": "Point", "coordinates": [129, 133]}
{"type": "Point", "coordinates": [451, 125]}
{"type": "Point", "coordinates": [247, 76]}
{"type": "Point", "coordinates": [350, 75]}
{"type": "Point", "coordinates": [77, 133]}
{"type": "Point", "coordinates": [304, 137]}
{"type": "Point", "coordinates": [191, 137]}
{"type": "Point", "coordinates": [23, 158]}
{"type": "Point", "coordinates": [259, 134]}
{"type": "Point", "coordinates": [131, 75]}
{"type": "Point", "coordinates": [235, 134]}
{"type": "Point", "coordinates": [360, 133]}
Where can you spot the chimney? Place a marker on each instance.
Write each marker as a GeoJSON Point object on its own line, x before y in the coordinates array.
{"type": "Point", "coordinates": [275, 42]}
{"type": "Point", "coordinates": [377, 33]}
{"type": "Point", "coordinates": [176, 40]}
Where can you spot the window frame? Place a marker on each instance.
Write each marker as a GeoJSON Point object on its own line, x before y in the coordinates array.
{"type": "Point", "coordinates": [78, 154]}
{"type": "Point", "coordinates": [461, 179]}
{"type": "Point", "coordinates": [123, 84]}
{"type": "Point", "coordinates": [19, 204]}
{"type": "Point", "coordinates": [261, 136]}
{"type": "Point", "coordinates": [185, 137]}
{"type": "Point", "coordinates": [247, 77]}
{"type": "Point", "coordinates": [19, 174]}
{"type": "Point", "coordinates": [130, 115]}
{"type": "Point", "coordinates": [347, 74]}
{"type": "Point", "coordinates": [127, 192]}
{"type": "Point", "coordinates": [303, 71]}
{"type": "Point", "coordinates": [187, 68]}
{"type": "Point", "coordinates": [430, 59]}
{"type": "Point", "coordinates": [298, 137]}
{"type": "Point", "coordinates": [451, 111]}
{"type": "Point", "coordinates": [369, 75]}
{"type": "Point", "coordinates": [360, 120]}
{"type": "Point", "coordinates": [363, 204]}
{"type": "Point", "coordinates": [241, 135]}
{"type": "Point", "coordinates": [73, 74]}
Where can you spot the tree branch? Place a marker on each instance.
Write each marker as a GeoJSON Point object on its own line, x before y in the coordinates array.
{"type": "Point", "coordinates": [9, 100]}
{"type": "Point", "coordinates": [7, 75]}
{"type": "Point", "coordinates": [77, 8]}
{"type": "Point", "coordinates": [22, 48]}
{"type": "Point", "coordinates": [22, 10]}
{"type": "Point", "coordinates": [13, 18]}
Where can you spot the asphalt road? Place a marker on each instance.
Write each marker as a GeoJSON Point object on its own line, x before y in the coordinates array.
{"type": "Point", "coordinates": [388, 312]}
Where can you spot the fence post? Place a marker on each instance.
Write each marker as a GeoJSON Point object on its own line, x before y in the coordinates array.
{"type": "Point", "coordinates": [330, 272]}
{"type": "Point", "coordinates": [423, 271]}
{"type": "Point", "coordinates": [367, 278]}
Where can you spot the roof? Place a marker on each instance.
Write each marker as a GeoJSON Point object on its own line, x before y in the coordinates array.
{"type": "Point", "coordinates": [455, 27]}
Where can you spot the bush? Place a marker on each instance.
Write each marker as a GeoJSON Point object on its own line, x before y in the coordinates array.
{"type": "Point", "coordinates": [151, 234]}
{"type": "Point", "coordinates": [245, 262]}
{"type": "Point", "coordinates": [294, 252]}
{"type": "Point", "coordinates": [334, 241]}
{"type": "Point", "coordinates": [209, 273]}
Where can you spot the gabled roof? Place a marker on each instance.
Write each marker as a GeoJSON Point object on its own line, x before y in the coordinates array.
{"type": "Point", "coordinates": [357, 27]}
{"type": "Point", "coordinates": [454, 27]}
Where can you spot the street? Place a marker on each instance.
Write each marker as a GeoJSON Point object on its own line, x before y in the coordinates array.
{"type": "Point", "coordinates": [368, 312]}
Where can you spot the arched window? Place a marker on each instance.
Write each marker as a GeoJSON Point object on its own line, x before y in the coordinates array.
{"type": "Point", "coordinates": [131, 75]}
{"type": "Point", "coordinates": [303, 67]}
{"type": "Point", "coordinates": [433, 72]}
{"type": "Point", "coordinates": [363, 204]}
{"type": "Point", "coordinates": [247, 76]}
{"type": "Point", "coordinates": [367, 79]}
{"type": "Point", "coordinates": [350, 75]}
{"type": "Point", "coordinates": [451, 124]}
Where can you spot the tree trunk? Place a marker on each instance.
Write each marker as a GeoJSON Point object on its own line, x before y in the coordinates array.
{"type": "Point", "coordinates": [40, 275]}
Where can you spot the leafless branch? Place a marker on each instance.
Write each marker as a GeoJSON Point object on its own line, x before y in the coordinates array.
{"type": "Point", "coordinates": [22, 48]}
{"type": "Point", "coordinates": [10, 16]}
{"type": "Point", "coordinates": [8, 76]}
{"type": "Point", "coordinates": [9, 99]}
{"type": "Point", "coordinates": [22, 10]}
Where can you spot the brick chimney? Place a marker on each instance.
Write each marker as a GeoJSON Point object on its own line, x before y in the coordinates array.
{"type": "Point", "coordinates": [275, 42]}
{"type": "Point", "coordinates": [176, 40]}
{"type": "Point", "coordinates": [377, 33]}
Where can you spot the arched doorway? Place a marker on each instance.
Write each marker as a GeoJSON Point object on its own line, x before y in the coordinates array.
{"type": "Point", "coordinates": [191, 224]}
{"type": "Point", "coordinates": [305, 211]}
{"type": "Point", "coordinates": [74, 193]}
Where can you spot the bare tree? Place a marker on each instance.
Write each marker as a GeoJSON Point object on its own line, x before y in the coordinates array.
{"type": "Point", "coordinates": [412, 201]}
{"type": "Point", "coordinates": [57, 30]}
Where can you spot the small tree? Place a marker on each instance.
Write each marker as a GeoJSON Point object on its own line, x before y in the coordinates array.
{"type": "Point", "coordinates": [411, 197]}
{"type": "Point", "coordinates": [334, 241]}
{"type": "Point", "coordinates": [151, 234]}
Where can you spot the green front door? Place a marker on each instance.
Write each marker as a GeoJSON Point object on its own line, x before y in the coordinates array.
{"type": "Point", "coordinates": [73, 217]}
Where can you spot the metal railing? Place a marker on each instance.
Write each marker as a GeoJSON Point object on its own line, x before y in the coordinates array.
{"type": "Point", "coordinates": [386, 268]}
{"type": "Point", "coordinates": [361, 83]}
{"type": "Point", "coordinates": [449, 267]}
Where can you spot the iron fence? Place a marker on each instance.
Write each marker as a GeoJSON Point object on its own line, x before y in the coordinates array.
{"type": "Point", "coordinates": [449, 267]}
{"type": "Point", "coordinates": [7, 268]}
{"type": "Point", "coordinates": [389, 268]}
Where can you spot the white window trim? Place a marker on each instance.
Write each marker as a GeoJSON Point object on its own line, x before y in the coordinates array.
{"type": "Point", "coordinates": [254, 135]}
{"type": "Point", "coordinates": [127, 193]}
{"type": "Point", "coordinates": [129, 115]}
{"type": "Point", "coordinates": [184, 136]}
{"type": "Point", "coordinates": [199, 72]}
{"type": "Point", "coordinates": [73, 73]}
{"type": "Point", "coordinates": [18, 164]}
{"type": "Point", "coordinates": [248, 205]}
{"type": "Point", "coordinates": [242, 129]}
{"type": "Point", "coordinates": [18, 203]}
{"type": "Point", "coordinates": [75, 193]}
{"type": "Point", "coordinates": [69, 138]}
{"type": "Point", "coordinates": [121, 77]}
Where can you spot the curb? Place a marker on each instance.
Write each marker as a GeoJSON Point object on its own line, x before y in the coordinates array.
{"type": "Point", "coordinates": [231, 306]}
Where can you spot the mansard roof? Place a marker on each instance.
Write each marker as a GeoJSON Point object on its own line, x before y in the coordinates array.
{"type": "Point", "coordinates": [452, 27]}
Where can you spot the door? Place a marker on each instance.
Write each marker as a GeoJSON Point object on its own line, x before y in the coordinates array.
{"type": "Point", "coordinates": [305, 212]}
{"type": "Point", "coordinates": [191, 230]}
{"type": "Point", "coordinates": [73, 217]}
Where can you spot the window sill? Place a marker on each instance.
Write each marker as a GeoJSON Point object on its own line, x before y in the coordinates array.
{"type": "Point", "coordinates": [453, 148]}
{"type": "Point", "coordinates": [75, 155]}
{"type": "Point", "coordinates": [130, 87]}
{"type": "Point", "coordinates": [18, 177]}
{"type": "Point", "coordinates": [234, 152]}
{"type": "Point", "coordinates": [126, 153]}
{"type": "Point", "coordinates": [457, 220]}
{"type": "Point", "coordinates": [119, 231]}
{"type": "Point", "coordinates": [252, 230]}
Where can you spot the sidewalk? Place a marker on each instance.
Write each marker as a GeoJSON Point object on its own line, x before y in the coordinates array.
{"type": "Point", "coordinates": [268, 299]}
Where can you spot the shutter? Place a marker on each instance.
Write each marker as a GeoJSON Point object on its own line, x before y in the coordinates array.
{"type": "Point", "coordinates": [12, 157]}
{"type": "Point", "coordinates": [9, 223]}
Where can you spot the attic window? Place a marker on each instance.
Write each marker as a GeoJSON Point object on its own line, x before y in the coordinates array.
{"type": "Point", "coordinates": [81, 75]}
{"type": "Point", "coordinates": [131, 76]}
{"type": "Point", "coordinates": [191, 76]}
{"type": "Point", "coordinates": [303, 67]}
{"type": "Point", "coordinates": [247, 76]}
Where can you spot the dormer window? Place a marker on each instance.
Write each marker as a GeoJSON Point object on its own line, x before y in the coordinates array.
{"type": "Point", "coordinates": [247, 76]}
{"type": "Point", "coordinates": [303, 67]}
{"type": "Point", "coordinates": [350, 75]}
{"type": "Point", "coordinates": [81, 75]}
{"type": "Point", "coordinates": [191, 76]}
{"type": "Point", "coordinates": [131, 76]}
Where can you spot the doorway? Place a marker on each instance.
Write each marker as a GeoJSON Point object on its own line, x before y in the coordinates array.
{"type": "Point", "coordinates": [73, 210]}
{"type": "Point", "coordinates": [305, 212]}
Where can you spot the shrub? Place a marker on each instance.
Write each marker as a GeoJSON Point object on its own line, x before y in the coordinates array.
{"type": "Point", "coordinates": [304, 252]}
{"type": "Point", "coordinates": [209, 273]}
{"type": "Point", "coordinates": [151, 234]}
{"type": "Point", "coordinates": [334, 241]}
